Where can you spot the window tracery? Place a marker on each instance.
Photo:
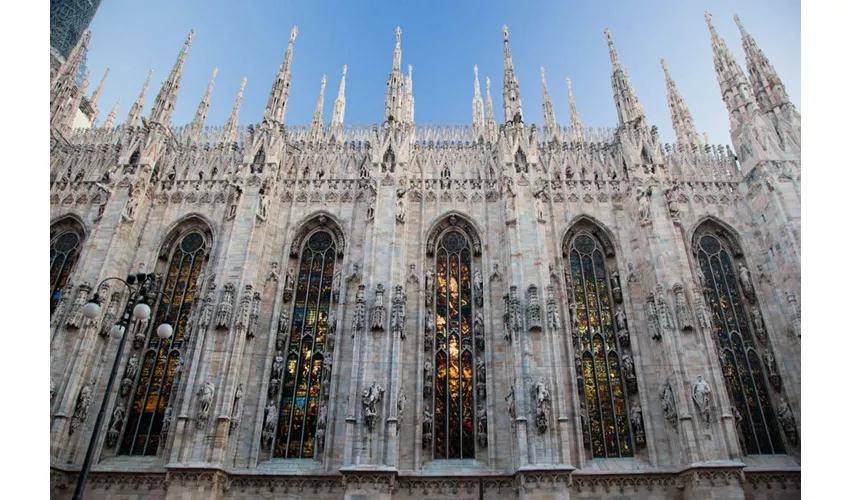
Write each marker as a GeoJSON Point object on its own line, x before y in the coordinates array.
{"type": "Point", "coordinates": [455, 412]}
{"type": "Point", "coordinates": [605, 370]}
{"type": "Point", "coordinates": [159, 367]}
{"type": "Point", "coordinates": [302, 369]}
{"type": "Point", "coordinates": [740, 359]}
{"type": "Point", "coordinates": [64, 251]}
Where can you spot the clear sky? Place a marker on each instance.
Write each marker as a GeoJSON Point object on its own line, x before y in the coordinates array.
{"type": "Point", "coordinates": [442, 40]}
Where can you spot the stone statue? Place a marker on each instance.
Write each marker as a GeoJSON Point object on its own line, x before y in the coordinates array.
{"type": "Point", "coordinates": [478, 330]}
{"type": "Point", "coordinates": [672, 204]}
{"type": "Point", "coordinates": [335, 286]}
{"type": "Point", "coordinates": [772, 374]}
{"type": "Point", "coordinates": [427, 428]}
{"type": "Point", "coordinates": [270, 426]}
{"type": "Point", "coordinates": [401, 403]}
{"type": "Point", "coordinates": [115, 425]}
{"type": "Point", "coordinates": [481, 431]}
{"type": "Point", "coordinates": [371, 397]}
{"type": "Point", "coordinates": [574, 324]}
{"type": "Point", "coordinates": [702, 397]}
{"type": "Point", "coordinates": [204, 403]}
{"type": "Point", "coordinates": [225, 308]}
{"type": "Point", "coordinates": [739, 429]}
{"type": "Point", "coordinates": [429, 282]}
{"type": "Point", "coordinates": [628, 365]}
{"type": "Point", "coordinates": [585, 426]}
{"type": "Point", "coordinates": [553, 317]}
{"type": "Point", "coordinates": [254, 317]}
{"type": "Point", "coordinates": [166, 421]}
{"type": "Point", "coordinates": [643, 205]}
{"type": "Point", "coordinates": [511, 399]}
{"type": "Point", "coordinates": [75, 315]}
{"type": "Point", "coordinates": [288, 287]}
{"type": "Point", "coordinates": [277, 365]}
{"type": "Point", "coordinates": [786, 420]}
{"type": "Point", "coordinates": [81, 409]}
{"type": "Point", "coordinates": [379, 314]}
{"type": "Point", "coordinates": [703, 314]}
{"type": "Point", "coordinates": [758, 325]}
{"type": "Point", "coordinates": [398, 312]}
{"type": "Point", "coordinates": [429, 378]}
{"type": "Point", "coordinates": [52, 388]}
{"type": "Point", "coordinates": [478, 281]}
{"type": "Point", "coordinates": [128, 214]}
{"type": "Point", "coordinates": [132, 367]}
{"type": "Point", "coordinates": [236, 411]}
{"type": "Point", "coordinates": [263, 208]}
{"type": "Point", "coordinates": [668, 404]}
{"type": "Point", "coordinates": [746, 283]}
{"type": "Point", "coordinates": [542, 393]}
{"type": "Point", "coordinates": [274, 274]}
{"type": "Point", "coordinates": [533, 309]}
{"type": "Point", "coordinates": [636, 418]}
{"type": "Point", "coordinates": [620, 320]}
{"type": "Point", "coordinates": [331, 339]}
{"type": "Point", "coordinates": [359, 321]}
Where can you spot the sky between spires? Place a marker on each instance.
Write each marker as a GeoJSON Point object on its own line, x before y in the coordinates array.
{"type": "Point", "coordinates": [443, 41]}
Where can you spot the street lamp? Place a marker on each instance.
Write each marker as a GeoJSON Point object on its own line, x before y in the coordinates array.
{"type": "Point", "coordinates": [137, 308]}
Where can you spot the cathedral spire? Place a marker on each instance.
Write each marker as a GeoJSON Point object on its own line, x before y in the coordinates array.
{"type": "Point", "coordinates": [683, 122]}
{"type": "Point", "coordinates": [165, 101]}
{"type": "Point", "coordinates": [96, 96]}
{"type": "Point", "coordinates": [339, 104]}
{"type": "Point", "coordinates": [197, 124]}
{"type": "Point", "coordinates": [408, 95]}
{"type": "Point", "coordinates": [230, 128]}
{"type": "Point", "coordinates": [64, 91]}
{"type": "Point", "coordinates": [394, 101]}
{"type": "Point", "coordinates": [549, 122]}
{"type": "Point", "coordinates": [733, 84]}
{"type": "Point", "coordinates": [510, 92]}
{"type": "Point", "coordinates": [72, 63]}
{"type": "Point", "coordinates": [576, 130]}
{"type": "Point", "coordinates": [110, 119]}
{"type": "Point", "coordinates": [317, 124]}
{"type": "Point", "coordinates": [763, 77]}
{"type": "Point", "coordinates": [477, 103]}
{"type": "Point", "coordinates": [279, 96]}
{"type": "Point", "coordinates": [629, 108]}
{"type": "Point", "coordinates": [135, 113]}
{"type": "Point", "coordinates": [490, 124]}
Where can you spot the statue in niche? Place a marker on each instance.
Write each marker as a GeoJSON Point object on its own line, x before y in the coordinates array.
{"type": "Point", "coordinates": [166, 421]}
{"type": "Point", "coordinates": [236, 411]}
{"type": "Point", "coordinates": [746, 282]}
{"type": "Point", "coordinates": [429, 329]}
{"type": "Point", "coordinates": [81, 409]}
{"type": "Point", "coordinates": [739, 429]}
{"type": "Point", "coordinates": [270, 426]}
{"type": "Point", "coordinates": [772, 374]}
{"type": "Point", "coordinates": [398, 312]}
{"type": "Point", "coordinates": [629, 370]}
{"type": "Point", "coordinates": [543, 400]}
{"type": "Point", "coordinates": [429, 282]}
{"type": "Point", "coordinates": [336, 286]}
{"type": "Point", "coordinates": [205, 402]}
{"type": "Point", "coordinates": [643, 205]}
{"type": "Point", "coordinates": [636, 417]}
{"type": "Point", "coordinates": [379, 314]}
{"type": "Point", "coordinates": [277, 365]}
{"type": "Point", "coordinates": [225, 309]}
{"type": "Point", "coordinates": [758, 325]}
{"type": "Point", "coordinates": [478, 280]}
{"type": "Point", "coordinates": [429, 378]}
{"type": "Point", "coordinates": [359, 321]}
{"type": "Point", "coordinates": [274, 274]}
{"type": "Point", "coordinates": [702, 397]}
{"type": "Point", "coordinates": [478, 330]}
{"type": "Point", "coordinates": [288, 286]}
{"type": "Point", "coordinates": [331, 338]}
{"type": "Point", "coordinates": [115, 425]}
{"type": "Point", "coordinates": [427, 428]}
{"type": "Point", "coordinates": [511, 400]}
{"type": "Point", "coordinates": [668, 404]}
{"type": "Point", "coordinates": [371, 397]}
{"type": "Point", "coordinates": [786, 419]}
{"type": "Point", "coordinates": [616, 290]}
{"type": "Point", "coordinates": [553, 317]}
{"type": "Point", "coordinates": [481, 432]}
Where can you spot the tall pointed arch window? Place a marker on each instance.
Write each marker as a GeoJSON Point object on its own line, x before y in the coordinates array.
{"type": "Point", "coordinates": [64, 251]}
{"type": "Point", "coordinates": [604, 379]}
{"type": "Point", "coordinates": [161, 357]}
{"type": "Point", "coordinates": [305, 373]}
{"type": "Point", "coordinates": [739, 353]}
{"type": "Point", "coordinates": [455, 366]}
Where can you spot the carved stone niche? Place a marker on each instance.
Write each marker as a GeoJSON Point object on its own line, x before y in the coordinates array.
{"type": "Point", "coordinates": [459, 222]}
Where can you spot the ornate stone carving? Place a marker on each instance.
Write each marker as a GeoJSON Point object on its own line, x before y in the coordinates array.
{"type": "Point", "coordinates": [378, 318]}
{"type": "Point", "coordinates": [427, 429]}
{"type": "Point", "coordinates": [288, 287]}
{"type": "Point", "coordinates": [398, 311]}
{"type": "Point", "coordinates": [533, 314]}
{"type": "Point", "coordinates": [701, 394]}
{"type": "Point", "coordinates": [254, 319]}
{"type": "Point", "coordinates": [787, 420]}
{"type": "Point", "coordinates": [585, 425]}
{"type": "Point", "coordinates": [129, 374]}
{"type": "Point", "coordinates": [516, 312]}
{"type": "Point", "coordinates": [243, 315]}
{"type": "Point", "coordinates": [671, 195]}
{"type": "Point", "coordinates": [358, 323]}
{"type": "Point", "coordinates": [478, 331]}
{"type": "Point", "coordinates": [370, 399]}
{"type": "Point", "coordinates": [401, 404]}
{"type": "Point", "coordinates": [274, 273]}
{"type": "Point", "coordinates": [622, 327]}
{"type": "Point", "coordinates": [628, 365]}
{"type": "Point", "coordinates": [429, 329]}
{"type": "Point", "coordinates": [703, 313]}
{"type": "Point", "coordinates": [429, 378]}
{"type": "Point", "coordinates": [481, 423]}
{"type": "Point", "coordinates": [686, 322]}
{"type": "Point", "coordinates": [511, 400]}
{"type": "Point", "coordinates": [746, 283]}
{"type": "Point", "coordinates": [634, 277]}
{"type": "Point", "coordinates": [758, 325]}
{"type": "Point", "coordinates": [205, 398]}
{"type": "Point", "coordinates": [616, 290]}
{"type": "Point", "coordinates": [739, 429]}
{"type": "Point", "coordinates": [553, 317]}
{"type": "Point", "coordinates": [336, 286]}
{"type": "Point", "coordinates": [429, 285]}
{"type": "Point", "coordinates": [478, 281]}
{"type": "Point", "coordinates": [111, 314]}
{"type": "Point", "coordinates": [543, 402]}
{"type": "Point", "coordinates": [652, 318]}
{"type": "Point", "coordinates": [81, 409]}
{"type": "Point", "coordinates": [269, 427]}
{"type": "Point", "coordinates": [62, 304]}
{"type": "Point", "coordinates": [236, 410]}
{"type": "Point", "coordinates": [225, 308]}
{"type": "Point", "coordinates": [115, 425]}
{"type": "Point", "coordinates": [644, 205]}
{"type": "Point", "coordinates": [772, 374]}
{"type": "Point", "coordinates": [459, 222]}
{"type": "Point", "coordinates": [282, 328]}
{"type": "Point", "coordinates": [636, 418]}
{"type": "Point", "coordinates": [75, 315]}
{"type": "Point", "coordinates": [664, 313]}
{"type": "Point", "coordinates": [668, 404]}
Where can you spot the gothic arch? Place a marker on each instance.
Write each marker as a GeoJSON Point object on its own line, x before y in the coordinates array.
{"type": "Point", "coordinates": [589, 224]}
{"type": "Point", "coordinates": [68, 222]}
{"type": "Point", "coordinates": [729, 234]}
{"type": "Point", "coordinates": [316, 220]}
{"type": "Point", "coordinates": [67, 234]}
{"type": "Point", "coordinates": [178, 229]}
{"type": "Point", "coordinates": [456, 219]}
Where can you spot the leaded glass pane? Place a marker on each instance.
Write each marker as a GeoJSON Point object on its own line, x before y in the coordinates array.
{"type": "Point", "coordinates": [63, 255]}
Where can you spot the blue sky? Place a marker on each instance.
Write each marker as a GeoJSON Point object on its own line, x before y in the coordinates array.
{"type": "Point", "coordinates": [442, 40]}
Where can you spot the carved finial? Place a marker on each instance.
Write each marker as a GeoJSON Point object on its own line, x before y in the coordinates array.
{"type": "Point", "coordinates": [505, 31]}
{"type": "Point", "coordinates": [293, 33]}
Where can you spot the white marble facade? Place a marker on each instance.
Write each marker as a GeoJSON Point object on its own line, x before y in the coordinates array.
{"type": "Point", "coordinates": [384, 194]}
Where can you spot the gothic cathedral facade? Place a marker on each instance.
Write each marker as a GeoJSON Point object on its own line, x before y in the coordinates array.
{"type": "Point", "coordinates": [390, 311]}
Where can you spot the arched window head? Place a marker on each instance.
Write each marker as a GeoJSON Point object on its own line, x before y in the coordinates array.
{"type": "Point", "coordinates": [455, 373]}
{"type": "Point", "coordinates": [605, 369]}
{"type": "Point", "coordinates": [729, 295]}
{"type": "Point", "coordinates": [143, 432]}
{"type": "Point", "coordinates": [134, 158]}
{"type": "Point", "coordinates": [260, 157]}
{"type": "Point", "coordinates": [296, 411]}
{"type": "Point", "coordinates": [65, 243]}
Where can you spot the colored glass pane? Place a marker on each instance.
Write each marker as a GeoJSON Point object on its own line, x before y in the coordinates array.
{"type": "Point", "coordinates": [64, 251]}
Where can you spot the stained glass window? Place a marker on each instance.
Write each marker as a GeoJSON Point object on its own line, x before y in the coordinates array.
{"type": "Point", "coordinates": [599, 353]}
{"type": "Point", "coordinates": [304, 379]}
{"type": "Point", "coordinates": [739, 357]}
{"type": "Point", "coordinates": [458, 366]}
{"type": "Point", "coordinates": [161, 357]}
{"type": "Point", "coordinates": [64, 251]}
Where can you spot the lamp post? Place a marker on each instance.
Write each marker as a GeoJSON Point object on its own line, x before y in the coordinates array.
{"type": "Point", "coordinates": [137, 308]}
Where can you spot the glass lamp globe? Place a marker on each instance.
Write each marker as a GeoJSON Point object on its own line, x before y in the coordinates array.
{"type": "Point", "coordinates": [142, 311]}
{"type": "Point", "coordinates": [91, 310]}
{"type": "Point", "coordinates": [117, 331]}
{"type": "Point", "coordinates": [164, 331]}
